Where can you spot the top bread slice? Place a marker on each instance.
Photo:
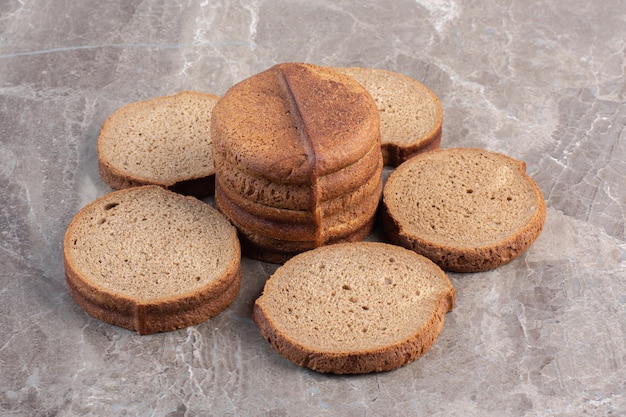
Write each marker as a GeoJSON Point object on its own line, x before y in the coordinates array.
{"type": "Point", "coordinates": [354, 307]}
{"type": "Point", "coordinates": [151, 260]}
{"type": "Point", "coordinates": [411, 115]}
{"type": "Point", "coordinates": [163, 141]}
{"type": "Point", "coordinates": [295, 123]}
{"type": "Point", "coordinates": [467, 209]}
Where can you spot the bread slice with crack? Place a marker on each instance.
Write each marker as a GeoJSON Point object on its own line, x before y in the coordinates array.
{"type": "Point", "coordinates": [466, 209]}
{"type": "Point", "coordinates": [353, 308]}
{"type": "Point", "coordinates": [151, 260]}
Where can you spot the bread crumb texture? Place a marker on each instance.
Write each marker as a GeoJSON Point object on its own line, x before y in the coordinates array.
{"type": "Point", "coordinates": [457, 202]}
{"type": "Point", "coordinates": [150, 244]}
{"type": "Point", "coordinates": [162, 141]}
{"type": "Point", "coordinates": [349, 307]}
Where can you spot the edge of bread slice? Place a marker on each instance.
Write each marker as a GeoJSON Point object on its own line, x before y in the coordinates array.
{"type": "Point", "coordinates": [466, 209]}
{"type": "Point", "coordinates": [162, 141]}
{"type": "Point", "coordinates": [411, 115]}
{"type": "Point", "coordinates": [352, 308]}
{"type": "Point", "coordinates": [151, 260]}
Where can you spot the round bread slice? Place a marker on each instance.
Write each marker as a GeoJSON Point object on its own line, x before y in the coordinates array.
{"type": "Point", "coordinates": [151, 260]}
{"type": "Point", "coordinates": [468, 210]}
{"type": "Point", "coordinates": [354, 308]}
{"type": "Point", "coordinates": [163, 141]}
{"type": "Point", "coordinates": [411, 115]}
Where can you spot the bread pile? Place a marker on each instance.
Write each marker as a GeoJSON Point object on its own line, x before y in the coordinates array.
{"type": "Point", "coordinates": [294, 155]}
{"type": "Point", "coordinates": [298, 160]}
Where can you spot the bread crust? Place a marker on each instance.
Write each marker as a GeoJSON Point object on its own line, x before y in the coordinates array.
{"type": "Point", "coordinates": [160, 314]}
{"type": "Point", "coordinates": [349, 360]}
{"type": "Point", "coordinates": [200, 183]}
{"type": "Point", "coordinates": [358, 362]}
{"type": "Point", "coordinates": [461, 257]}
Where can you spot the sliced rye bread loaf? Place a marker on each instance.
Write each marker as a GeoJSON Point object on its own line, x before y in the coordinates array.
{"type": "Point", "coordinates": [297, 153]}
{"type": "Point", "coordinates": [468, 210]}
{"type": "Point", "coordinates": [354, 307]}
{"type": "Point", "coordinates": [151, 260]}
{"type": "Point", "coordinates": [411, 115]}
{"type": "Point", "coordinates": [163, 141]}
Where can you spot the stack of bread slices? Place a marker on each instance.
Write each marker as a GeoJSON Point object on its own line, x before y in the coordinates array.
{"type": "Point", "coordinates": [295, 155]}
{"type": "Point", "coordinates": [298, 160]}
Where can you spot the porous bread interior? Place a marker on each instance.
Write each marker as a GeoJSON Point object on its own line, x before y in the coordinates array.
{"type": "Point", "coordinates": [463, 197]}
{"type": "Point", "coordinates": [354, 297]}
{"type": "Point", "coordinates": [165, 139]}
{"type": "Point", "coordinates": [408, 110]}
{"type": "Point", "coordinates": [150, 244]}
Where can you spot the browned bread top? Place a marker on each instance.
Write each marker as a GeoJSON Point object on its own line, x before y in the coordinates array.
{"type": "Point", "coordinates": [411, 115]}
{"type": "Point", "coordinates": [354, 307]}
{"type": "Point", "coordinates": [151, 260]}
{"type": "Point", "coordinates": [294, 123]}
{"type": "Point", "coordinates": [466, 209]}
{"type": "Point", "coordinates": [163, 141]}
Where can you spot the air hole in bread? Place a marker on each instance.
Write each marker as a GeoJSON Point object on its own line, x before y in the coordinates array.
{"type": "Point", "coordinates": [388, 281]}
{"type": "Point", "coordinates": [102, 220]}
{"type": "Point", "coordinates": [346, 287]}
{"type": "Point", "coordinates": [109, 206]}
{"type": "Point", "coordinates": [365, 308]}
{"type": "Point", "coordinates": [470, 191]}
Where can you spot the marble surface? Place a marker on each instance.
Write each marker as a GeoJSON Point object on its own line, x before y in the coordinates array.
{"type": "Point", "coordinates": [543, 81]}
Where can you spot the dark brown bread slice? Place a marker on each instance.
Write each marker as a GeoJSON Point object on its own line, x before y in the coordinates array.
{"type": "Point", "coordinates": [294, 123]}
{"type": "Point", "coordinates": [468, 210]}
{"type": "Point", "coordinates": [411, 115]}
{"type": "Point", "coordinates": [278, 251]}
{"type": "Point", "coordinates": [354, 307]}
{"type": "Point", "coordinates": [163, 141]}
{"type": "Point", "coordinates": [151, 260]}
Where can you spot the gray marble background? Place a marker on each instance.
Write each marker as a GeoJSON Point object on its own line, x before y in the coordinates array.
{"type": "Point", "coordinates": [543, 81]}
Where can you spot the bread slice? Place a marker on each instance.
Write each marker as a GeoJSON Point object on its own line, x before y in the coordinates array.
{"type": "Point", "coordinates": [295, 123]}
{"type": "Point", "coordinates": [354, 307]}
{"type": "Point", "coordinates": [151, 260]}
{"type": "Point", "coordinates": [411, 115]}
{"type": "Point", "coordinates": [468, 210]}
{"type": "Point", "coordinates": [163, 141]}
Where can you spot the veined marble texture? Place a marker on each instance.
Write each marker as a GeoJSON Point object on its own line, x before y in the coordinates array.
{"type": "Point", "coordinates": [542, 81]}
